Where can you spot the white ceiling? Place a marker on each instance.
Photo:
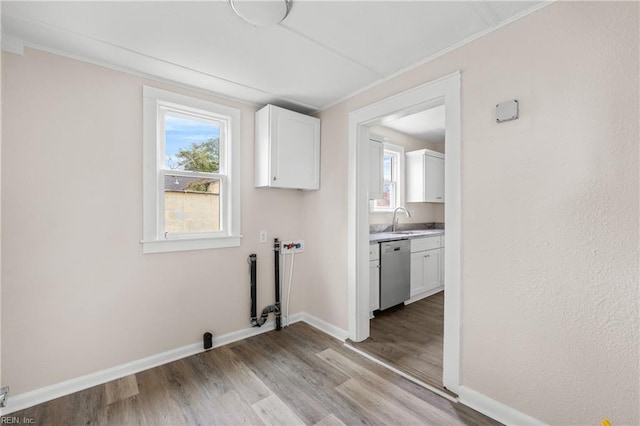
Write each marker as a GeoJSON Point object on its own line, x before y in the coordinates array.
{"type": "Point", "coordinates": [427, 125]}
{"type": "Point", "coordinates": [324, 51]}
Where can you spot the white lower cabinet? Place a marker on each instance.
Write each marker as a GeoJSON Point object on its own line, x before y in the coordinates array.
{"type": "Point", "coordinates": [374, 276]}
{"type": "Point", "coordinates": [425, 271]}
{"type": "Point", "coordinates": [426, 267]}
{"type": "Point", "coordinates": [442, 263]}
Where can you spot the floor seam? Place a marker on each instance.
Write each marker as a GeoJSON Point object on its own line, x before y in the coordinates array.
{"type": "Point", "coordinates": [402, 374]}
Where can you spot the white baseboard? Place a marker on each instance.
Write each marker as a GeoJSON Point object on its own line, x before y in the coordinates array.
{"type": "Point", "coordinates": [467, 396]}
{"type": "Point", "coordinates": [423, 295]}
{"type": "Point", "coordinates": [47, 393]}
{"type": "Point", "coordinates": [324, 326]}
{"type": "Point", "coordinates": [494, 409]}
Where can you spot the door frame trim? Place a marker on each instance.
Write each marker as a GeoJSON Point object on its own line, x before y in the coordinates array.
{"type": "Point", "coordinates": [443, 90]}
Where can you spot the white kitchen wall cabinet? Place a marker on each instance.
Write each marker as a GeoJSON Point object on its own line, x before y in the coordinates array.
{"type": "Point", "coordinates": [426, 277]}
{"type": "Point", "coordinates": [374, 276]}
{"type": "Point", "coordinates": [425, 176]}
{"type": "Point", "coordinates": [287, 149]}
{"type": "Point", "coordinates": [376, 177]}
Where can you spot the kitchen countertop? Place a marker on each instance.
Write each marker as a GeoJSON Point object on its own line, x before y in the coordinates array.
{"type": "Point", "coordinates": [381, 237]}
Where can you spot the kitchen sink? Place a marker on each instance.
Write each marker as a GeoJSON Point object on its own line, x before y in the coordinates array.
{"type": "Point", "coordinates": [403, 235]}
{"type": "Point", "coordinates": [421, 231]}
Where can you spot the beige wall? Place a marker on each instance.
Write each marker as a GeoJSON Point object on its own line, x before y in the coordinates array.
{"type": "Point", "coordinates": [550, 212]}
{"type": "Point", "coordinates": [410, 143]}
{"type": "Point", "coordinates": [550, 220]}
{"type": "Point", "coordinates": [420, 212]}
{"type": "Point", "coordinates": [78, 295]}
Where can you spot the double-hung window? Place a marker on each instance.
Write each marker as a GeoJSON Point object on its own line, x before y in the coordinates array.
{"type": "Point", "coordinates": [393, 174]}
{"type": "Point", "coordinates": [191, 173]}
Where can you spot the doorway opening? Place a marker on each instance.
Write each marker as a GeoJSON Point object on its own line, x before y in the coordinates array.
{"type": "Point", "coordinates": [443, 93]}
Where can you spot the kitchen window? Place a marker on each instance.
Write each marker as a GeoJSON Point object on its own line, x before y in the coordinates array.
{"type": "Point", "coordinates": [393, 177]}
{"type": "Point", "coordinates": [191, 173]}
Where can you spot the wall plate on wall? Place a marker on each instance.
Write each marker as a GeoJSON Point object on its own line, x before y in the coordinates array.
{"type": "Point", "coordinates": [507, 111]}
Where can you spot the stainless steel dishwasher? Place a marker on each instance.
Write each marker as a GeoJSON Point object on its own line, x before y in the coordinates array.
{"type": "Point", "coordinates": [395, 265]}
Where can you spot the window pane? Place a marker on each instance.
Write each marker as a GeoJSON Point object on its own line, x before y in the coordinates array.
{"type": "Point", "coordinates": [191, 204]}
{"type": "Point", "coordinates": [387, 165]}
{"type": "Point", "coordinates": [191, 144]}
{"type": "Point", "coordinates": [390, 194]}
{"type": "Point", "coordinates": [387, 196]}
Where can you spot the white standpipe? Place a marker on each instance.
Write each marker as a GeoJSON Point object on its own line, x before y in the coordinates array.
{"type": "Point", "coordinates": [284, 267]}
{"type": "Point", "coordinates": [289, 286]}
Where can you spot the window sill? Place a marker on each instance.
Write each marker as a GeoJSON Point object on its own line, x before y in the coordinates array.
{"type": "Point", "coordinates": [185, 244]}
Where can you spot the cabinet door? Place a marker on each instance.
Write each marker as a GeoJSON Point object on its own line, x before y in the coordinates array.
{"type": "Point", "coordinates": [376, 183]}
{"type": "Point", "coordinates": [425, 271]}
{"type": "Point", "coordinates": [417, 273]}
{"type": "Point", "coordinates": [374, 280]}
{"type": "Point", "coordinates": [433, 179]}
{"type": "Point", "coordinates": [414, 165]}
{"type": "Point", "coordinates": [295, 150]}
{"type": "Point", "coordinates": [442, 266]}
{"type": "Point", "coordinates": [432, 269]}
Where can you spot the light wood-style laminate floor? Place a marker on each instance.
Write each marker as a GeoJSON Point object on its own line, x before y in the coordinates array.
{"type": "Point", "coordinates": [292, 377]}
{"type": "Point", "coordinates": [409, 338]}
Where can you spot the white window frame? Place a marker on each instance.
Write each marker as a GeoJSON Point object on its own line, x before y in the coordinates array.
{"type": "Point", "coordinates": [398, 174]}
{"type": "Point", "coordinates": [155, 103]}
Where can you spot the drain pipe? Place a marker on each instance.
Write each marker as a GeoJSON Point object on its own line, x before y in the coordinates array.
{"type": "Point", "coordinates": [255, 321]}
{"type": "Point", "coordinates": [252, 262]}
{"type": "Point", "coordinates": [276, 251]}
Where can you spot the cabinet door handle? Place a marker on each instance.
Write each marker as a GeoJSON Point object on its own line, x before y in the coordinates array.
{"type": "Point", "coordinates": [378, 266]}
{"type": "Point", "coordinates": [274, 178]}
{"type": "Point", "coordinates": [427, 255]}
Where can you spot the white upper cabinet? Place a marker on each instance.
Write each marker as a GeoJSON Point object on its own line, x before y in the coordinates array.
{"type": "Point", "coordinates": [287, 149]}
{"type": "Point", "coordinates": [376, 182]}
{"type": "Point", "coordinates": [425, 176]}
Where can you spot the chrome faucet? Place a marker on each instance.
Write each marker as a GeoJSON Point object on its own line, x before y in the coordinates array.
{"type": "Point", "coordinates": [394, 221]}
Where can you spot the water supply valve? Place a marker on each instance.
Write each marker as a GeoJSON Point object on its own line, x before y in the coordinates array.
{"type": "Point", "coordinates": [292, 246]}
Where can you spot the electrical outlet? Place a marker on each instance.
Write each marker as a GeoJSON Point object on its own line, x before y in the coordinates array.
{"type": "Point", "coordinates": [292, 246]}
{"type": "Point", "coordinates": [263, 236]}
